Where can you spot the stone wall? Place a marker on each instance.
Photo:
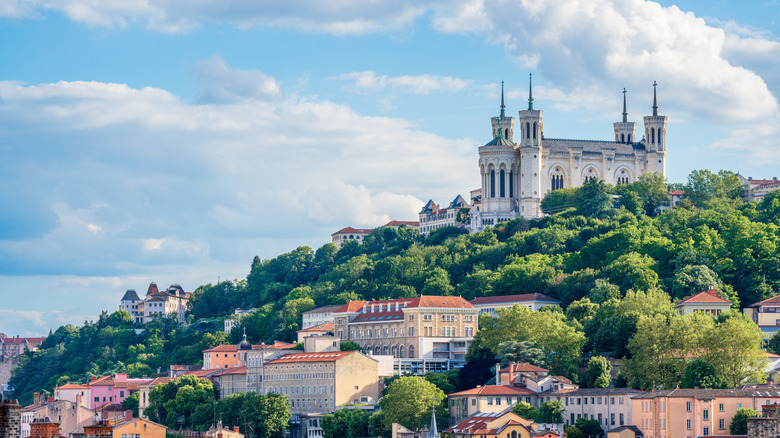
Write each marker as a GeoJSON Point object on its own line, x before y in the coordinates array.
{"type": "Point", "coordinates": [10, 419]}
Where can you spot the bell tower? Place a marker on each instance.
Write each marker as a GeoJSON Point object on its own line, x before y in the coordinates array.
{"type": "Point", "coordinates": [625, 131]}
{"type": "Point", "coordinates": [655, 138]}
{"type": "Point", "coordinates": [503, 126]}
{"type": "Point", "coordinates": [531, 128]}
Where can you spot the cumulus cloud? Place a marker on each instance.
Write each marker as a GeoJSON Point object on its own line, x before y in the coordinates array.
{"type": "Point", "coordinates": [137, 178]}
{"type": "Point", "coordinates": [219, 83]}
{"type": "Point", "coordinates": [370, 82]}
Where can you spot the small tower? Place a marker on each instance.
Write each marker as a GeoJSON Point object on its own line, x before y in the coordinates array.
{"type": "Point", "coordinates": [503, 126]}
{"type": "Point", "coordinates": [531, 128]}
{"type": "Point", "coordinates": [433, 431]}
{"type": "Point", "coordinates": [655, 138]}
{"type": "Point", "coordinates": [625, 131]}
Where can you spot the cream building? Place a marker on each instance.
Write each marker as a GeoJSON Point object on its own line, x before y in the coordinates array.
{"type": "Point", "coordinates": [432, 217]}
{"type": "Point", "coordinates": [72, 416]}
{"type": "Point", "coordinates": [156, 303]}
{"type": "Point", "coordinates": [533, 301]}
{"type": "Point", "coordinates": [318, 316]}
{"type": "Point", "coordinates": [766, 314]}
{"type": "Point", "coordinates": [611, 407]}
{"type": "Point", "coordinates": [487, 399]}
{"type": "Point", "coordinates": [707, 302]}
{"type": "Point", "coordinates": [426, 333]}
{"type": "Point", "coordinates": [516, 175]}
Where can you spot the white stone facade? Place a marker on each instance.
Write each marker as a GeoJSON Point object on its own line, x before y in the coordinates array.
{"type": "Point", "coordinates": [516, 175]}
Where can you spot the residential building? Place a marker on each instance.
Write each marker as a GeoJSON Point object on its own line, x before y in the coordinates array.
{"type": "Point", "coordinates": [138, 428]}
{"type": "Point", "coordinates": [13, 348]}
{"type": "Point", "coordinates": [112, 389]}
{"type": "Point", "coordinates": [433, 217]}
{"type": "Point", "coordinates": [317, 330]}
{"type": "Point", "coordinates": [676, 196]}
{"type": "Point", "coordinates": [350, 234]}
{"type": "Point", "coordinates": [143, 394]}
{"type": "Point", "coordinates": [230, 381]}
{"type": "Point", "coordinates": [223, 432]}
{"type": "Point", "coordinates": [318, 382]}
{"type": "Point", "coordinates": [516, 175]}
{"type": "Point", "coordinates": [426, 333]}
{"type": "Point", "coordinates": [318, 316]}
{"type": "Point", "coordinates": [234, 355]}
{"type": "Point", "coordinates": [74, 392]}
{"type": "Point", "coordinates": [694, 412]}
{"type": "Point", "coordinates": [487, 399]}
{"type": "Point", "coordinates": [756, 189]}
{"type": "Point", "coordinates": [399, 224]}
{"type": "Point", "coordinates": [44, 428]}
{"type": "Point", "coordinates": [496, 425]}
{"type": "Point", "coordinates": [627, 431]}
{"type": "Point", "coordinates": [611, 406]}
{"type": "Point", "coordinates": [70, 416]}
{"type": "Point", "coordinates": [235, 319]}
{"type": "Point", "coordinates": [533, 301]}
{"type": "Point", "coordinates": [535, 378]}
{"type": "Point", "coordinates": [766, 314]}
{"type": "Point", "coordinates": [707, 302]}
{"type": "Point", "coordinates": [156, 303]}
{"type": "Point", "coordinates": [179, 370]}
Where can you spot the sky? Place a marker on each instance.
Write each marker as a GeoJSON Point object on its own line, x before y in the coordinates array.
{"type": "Point", "coordinates": [172, 141]}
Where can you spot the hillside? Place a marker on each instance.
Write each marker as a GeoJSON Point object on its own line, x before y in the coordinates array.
{"type": "Point", "coordinates": [593, 252]}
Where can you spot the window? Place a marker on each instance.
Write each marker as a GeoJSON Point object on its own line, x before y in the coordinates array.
{"type": "Point", "coordinates": [706, 415]}
{"type": "Point", "coordinates": [706, 431]}
{"type": "Point", "coordinates": [490, 401]}
{"type": "Point", "coordinates": [492, 183]}
{"type": "Point", "coordinates": [498, 401]}
{"type": "Point", "coordinates": [621, 419]}
{"type": "Point", "coordinates": [612, 419]}
{"type": "Point", "coordinates": [502, 183]}
{"type": "Point", "coordinates": [720, 407]}
{"type": "Point", "coordinates": [688, 407]}
{"type": "Point", "coordinates": [688, 424]}
{"type": "Point", "coordinates": [473, 402]}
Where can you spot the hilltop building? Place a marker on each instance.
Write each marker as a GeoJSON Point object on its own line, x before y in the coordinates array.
{"type": "Point", "coordinates": [170, 301]}
{"type": "Point", "coordinates": [706, 302]}
{"type": "Point", "coordinates": [318, 316]}
{"type": "Point", "coordinates": [766, 314]}
{"type": "Point", "coordinates": [350, 234]}
{"type": "Point", "coordinates": [13, 348]}
{"type": "Point", "coordinates": [756, 189]}
{"type": "Point", "coordinates": [534, 302]}
{"type": "Point", "coordinates": [517, 174]}
{"type": "Point", "coordinates": [427, 333]}
{"type": "Point", "coordinates": [432, 217]}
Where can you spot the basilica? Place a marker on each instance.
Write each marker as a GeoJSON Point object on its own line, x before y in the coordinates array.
{"type": "Point", "coordinates": [517, 173]}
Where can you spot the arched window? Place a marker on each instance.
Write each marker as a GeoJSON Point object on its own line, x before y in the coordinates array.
{"type": "Point", "coordinates": [401, 351]}
{"type": "Point", "coordinates": [660, 139]}
{"type": "Point", "coordinates": [492, 183]}
{"type": "Point", "coordinates": [622, 138]}
{"type": "Point", "coordinates": [556, 179]}
{"type": "Point", "coordinates": [395, 351]}
{"type": "Point", "coordinates": [502, 184]}
{"type": "Point", "coordinates": [506, 133]}
{"type": "Point", "coordinates": [527, 130]}
{"type": "Point", "coordinates": [411, 352]}
{"type": "Point", "coordinates": [511, 184]}
{"type": "Point", "coordinates": [368, 350]}
{"type": "Point", "coordinates": [387, 350]}
{"type": "Point", "coordinates": [652, 135]}
{"type": "Point", "coordinates": [629, 138]}
{"type": "Point", "coordinates": [514, 434]}
{"type": "Point", "coordinates": [534, 130]}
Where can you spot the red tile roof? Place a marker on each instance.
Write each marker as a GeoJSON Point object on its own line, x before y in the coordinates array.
{"type": "Point", "coordinates": [706, 297]}
{"type": "Point", "coordinates": [677, 193]}
{"type": "Point", "coordinates": [327, 327]}
{"type": "Point", "coordinates": [353, 231]}
{"type": "Point", "coordinates": [234, 370]}
{"type": "Point", "coordinates": [415, 224]}
{"type": "Point", "coordinates": [17, 340]}
{"type": "Point", "coordinates": [388, 306]}
{"type": "Point", "coordinates": [73, 386]}
{"type": "Point", "coordinates": [495, 390]}
{"type": "Point", "coordinates": [352, 306]}
{"type": "Point", "coordinates": [523, 368]}
{"type": "Point", "coordinates": [522, 298]}
{"type": "Point", "coordinates": [233, 347]}
{"type": "Point", "coordinates": [201, 373]}
{"type": "Point", "coordinates": [773, 300]}
{"type": "Point", "coordinates": [311, 357]}
{"type": "Point", "coordinates": [476, 424]}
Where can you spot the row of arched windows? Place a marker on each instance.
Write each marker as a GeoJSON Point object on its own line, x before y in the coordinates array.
{"type": "Point", "coordinates": [396, 351]}
{"type": "Point", "coordinates": [528, 130]}
{"type": "Point", "coordinates": [623, 138]}
{"type": "Point", "coordinates": [502, 184]}
{"type": "Point", "coordinates": [659, 133]}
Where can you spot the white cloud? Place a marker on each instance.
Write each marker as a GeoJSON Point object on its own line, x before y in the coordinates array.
{"type": "Point", "coordinates": [219, 83]}
{"type": "Point", "coordinates": [370, 82]}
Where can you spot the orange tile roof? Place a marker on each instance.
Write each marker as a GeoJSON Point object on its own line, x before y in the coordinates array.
{"type": "Point", "coordinates": [677, 193]}
{"type": "Point", "coordinates": [434, 301]}
{"type": "Point", "coordinates": [234, 370]}
{"type": "Point", "coordinates": [73, 386]}
{"type": "Point", "coordinates": [706, 297]}
{"type": "Point", "coordinates": [311, 357]}
{"type": "Point", "coordinates": [524, 367]}
{"type": "Point", "coordinates": [773, 300]}
{"type": "Point", "coordinates": [352, 306]}
{"type": "Point", "coordinates": [200, 373]}
{"type": "Point", "coordinates": [327, 327]}
{"type": "Point", "coordinates": [495, 390]}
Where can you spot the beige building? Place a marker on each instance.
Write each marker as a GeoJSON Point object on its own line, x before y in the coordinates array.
{"type": "Point", "coordinates": [350, 234]}
{"type": "Point", "coordinates": [72, 416]}
{"type": "Point", "coordinates": [689, 413]}
{"type": "Point", "coordinates": [426, 333]}
{"type": "Point", "coordinates": [318, 316]}
{"type": "Point", "coordinates": [487, 399]}
{"type": "Point", "coordinates": [707, 302]}
{"type": "Point", "coordinates": [534, 378]}
{"type": "Point", "coordinates": [533, 301]}
{"type": "Point", "coordinates": [316, 330]}
{"type": "Point", "coordinates": [138, 428]}
{"type": "Point", "coordinates": [766, 314]}
{"type": "Point", "coordinates": [156, 303]}
{"type": "Point", "coordinates": [230, 381]}
{"type": "Point", "coordinates": [433, 217]}
{"type": "Point", "coordinates": [611, 407]}
{"type": "Point", "coordinates": [143, 394]}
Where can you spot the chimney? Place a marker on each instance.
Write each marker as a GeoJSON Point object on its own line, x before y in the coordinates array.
{"type": "Point", "coordinates": [235, 429]}
{"type": "Point", "coordinates": [50, 400]}
{"type": "Point", "coordinates": [498, 379]}
{"type": "Point", "coordinates": [37, 398]}
{"type": "Point", "coordinates": [128, 415]}
{"type": "Point", "coordinates": [713, 291]}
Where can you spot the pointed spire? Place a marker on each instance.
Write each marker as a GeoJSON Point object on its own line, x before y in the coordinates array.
{"type": "Point", "coordinates": [433, 432]}
{"type": "Point", "coordinates": [655, 100]}
{"type": "Point", "coordinates": [502, 99]}
{"type": "Point", "coordinates": [625, 113]}
{"type": "Point", "coordinates": [530, 94]}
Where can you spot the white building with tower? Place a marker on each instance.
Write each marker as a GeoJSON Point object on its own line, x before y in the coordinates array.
{"type": "Point", "coordinates": [516, 174]}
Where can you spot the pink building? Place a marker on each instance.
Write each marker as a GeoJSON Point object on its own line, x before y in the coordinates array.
{"type": "Point", "coordinates": [113, 390]}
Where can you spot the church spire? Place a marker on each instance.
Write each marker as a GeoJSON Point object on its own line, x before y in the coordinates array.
{"type": "Point", "coordinates": [625, 113]}
{"type": "Point", "coordinates": [655, 100]}
{"type": "Point", "coordinates": [433, 432]}
{"type": "Point", "coordinates": [530, 94]}
{"type": "Point", "coordinates": [502, 99]}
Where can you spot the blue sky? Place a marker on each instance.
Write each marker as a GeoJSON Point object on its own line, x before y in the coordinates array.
{"type": "Point", "coordinates": [154, 140]}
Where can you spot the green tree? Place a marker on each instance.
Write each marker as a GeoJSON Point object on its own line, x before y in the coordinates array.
{"type": "Point", "coordinates": [573, 432]}
{"type": "Point", "coordinates": [653, 190]}
{"type": "Point", "coordinates": [633, 271]}
{"type": "Point", "coordinates": [346, 423]}
{"type": "Point", "coordinates": [704, 185]}
{"type": "Point", "coordinates": [262, 415]}
{"type": "Point", "coordinates": [130, 403]}
{"type": "Point", "coordinates": [560, 200]}
{"type": "Point", "coordinates": [173, 404]}
{"type": "Point", "coordinates": [700, 374]}
{"type": "Point", "coordinates": [597, 375]}
{"type": "Point", "coordinates": [734, 348]}
{"type": "Point", "coordinates": [551, 412]}
{"type": "Point", "coordinates": [521, 352]}
{"type": "Point", "coordinates": [604, 291]}
{"type": "Point", "coordinates": [593, 199]}
{"type": "Point", "coordinates": [589, 428]}
{"type": "Point", "coordinates": [408, 402]}
{"type": "Point", "coordinates": [773, 345]}
{"type": "Point", "coordinates": [477, 371]}
{"type": "Point", "coordinates": [447, 381]}
{"type": "Point", "coordinates": [350, 346]}
{"type": "Point", "coordinates": [738, 425]}
{"type": "Point", "coordinates": [525, 410]}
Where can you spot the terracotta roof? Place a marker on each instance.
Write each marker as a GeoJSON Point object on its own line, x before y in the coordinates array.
{"type": "Point", "coordinates": [160, 380]}
{"type": "Point", "coordinates": [17, 340]}
{"type": "Point", "coordinates": [201, 373]}
{"type": "Point", "coordinates": [708, 394]}
{"type": "Point", "coordinates": [522, 298]}
{"type": "Point", "coordinates": [73, 386]}
{"type": "Point", "coordinates": [677, 192]}
{"type": "Point", "coordinates": [234, 348]}
{"type": "Point", "coordinates": [706, 297]}
{"type": "Point", "coordinates": [495, 390]}
{"type": "Point", "coordinates": [234, 370]}
{"type": "Point", "coordinates": [415, 224]}
{"type": "Point", "coordinates": [773, 300]}
{"type": "Point", "coordinates": [353, 231]}
{"type": "Point", "coordinates": [524, 367]}
{"type": "Point", "coordinates": [310, 357]}
{"type": "Point", "coordinates": [434, 301]}
{"type": "Point", "coordinates": [476, 424]}
{"type": "Point", "coordinates": [352, 306]}
{"type": "Point", "coordinates": [388, 306]}
{"type": "Point", "coordinates": [327, 327]}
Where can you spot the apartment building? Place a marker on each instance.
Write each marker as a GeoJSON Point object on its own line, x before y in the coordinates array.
{"type": "Point", "coordinates": [426, 333]}
{"type": "Point", "coordinates": [611, 407]}
{"type": "Point", "coordinates": [318, 316]}
{"type": "Point", "coordinates": [766, 314]}
{"type": "Point", "coordinates": [695, 412]}
{"type": "Point", "coordinates": [707, 302]}
{"type": "Point", "coordinates": [235, 355]}
{"type": "Point", "coordinates": [70, 416]}
{"type": "Point", "coordinates": [533, 301]}
{"type": "Point", "coordinates": [487, 399]}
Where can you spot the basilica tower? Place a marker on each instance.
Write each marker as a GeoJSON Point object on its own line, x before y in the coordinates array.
{"type": "Point", "coordinates": [530, 143]}
{"type": "Point", "coordinates": [625, 131]}
{"type": "Point", "coordinates": [655, 138]}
